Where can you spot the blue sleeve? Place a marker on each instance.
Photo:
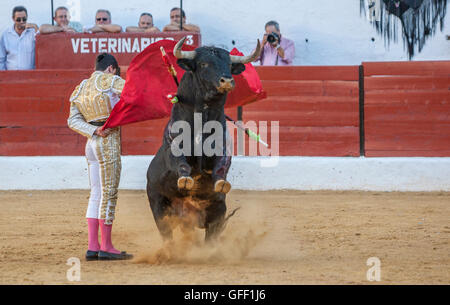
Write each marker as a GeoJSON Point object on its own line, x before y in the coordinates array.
{"type": "Point", "coordinates": [2, 54]}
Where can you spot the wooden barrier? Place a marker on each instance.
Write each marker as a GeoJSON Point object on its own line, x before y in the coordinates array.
{"type": "Point", "coordinates": [33, 113]}
{"type": "Point", "coordinates": [317, 109]}
{"type": "Point", "coordinates": [317, 117]}
{"type": "Point", "coordinates": [407, 109]}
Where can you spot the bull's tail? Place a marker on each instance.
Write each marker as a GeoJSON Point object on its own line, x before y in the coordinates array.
{"type": "Point", "coordinates": [225, 221]}
{"type": "Point", "coordinates": [231, 214]}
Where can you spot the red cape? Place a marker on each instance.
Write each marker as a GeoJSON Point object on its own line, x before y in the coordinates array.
{"type": "Point", "coordinates": [148, 83]}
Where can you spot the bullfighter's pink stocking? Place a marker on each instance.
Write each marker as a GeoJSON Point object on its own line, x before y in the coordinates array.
{"type": "Point", "coordinates": [106, 244]}
{"type": "Point", "coordinates": [93, 234]}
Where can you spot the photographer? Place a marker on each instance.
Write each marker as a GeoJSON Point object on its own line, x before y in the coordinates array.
{"type": "Point", "coordinates": [277, 50]}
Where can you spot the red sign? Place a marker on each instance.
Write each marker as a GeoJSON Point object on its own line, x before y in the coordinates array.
{"type": "Point", "coordinates": [78, 51]}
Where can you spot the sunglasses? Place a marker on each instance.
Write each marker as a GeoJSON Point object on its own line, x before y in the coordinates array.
{"type": "Point", "coordinates": [20, 19]}
{"type": "Point", "coordinates": [102, 19]}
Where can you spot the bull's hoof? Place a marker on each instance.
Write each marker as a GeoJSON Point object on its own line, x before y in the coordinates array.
{"type": "Point", "coordinates": [185, 183]}
{"type": "Point", "coordinates": [222, 186]}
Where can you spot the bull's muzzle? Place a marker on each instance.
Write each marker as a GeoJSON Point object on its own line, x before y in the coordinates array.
{"type": "Point", "coordinates": [225, 84]}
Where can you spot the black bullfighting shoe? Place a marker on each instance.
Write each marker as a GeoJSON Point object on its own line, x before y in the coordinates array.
{"type": "Point", "coordinates": [108, 256]}
{"type": "Point", "coordinates": [91, 255]}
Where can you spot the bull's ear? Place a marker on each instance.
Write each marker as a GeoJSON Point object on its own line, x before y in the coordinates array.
{"type": "Point", "coordinates": [186, 64]}
{"type": "Point", "coordinates": [237, 68]}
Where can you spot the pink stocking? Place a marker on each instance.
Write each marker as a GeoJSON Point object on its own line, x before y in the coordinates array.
{"type": "Point", "coordinates": [93, 234]}
{"type": "Point", "coordinates": [107, 245]}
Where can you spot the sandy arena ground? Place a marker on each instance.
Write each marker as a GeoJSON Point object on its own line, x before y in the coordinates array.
{"type": "Point", "coordinates": [277, 237]}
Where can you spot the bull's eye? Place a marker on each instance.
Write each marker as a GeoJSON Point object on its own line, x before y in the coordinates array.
{"type": "Point", "coordinates": [203, 65]}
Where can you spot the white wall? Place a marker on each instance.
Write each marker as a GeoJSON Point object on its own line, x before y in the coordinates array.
{"type": "Point", "coordinates": [246, 173]}
{"type": "Point", "coordinates": [336, 32]}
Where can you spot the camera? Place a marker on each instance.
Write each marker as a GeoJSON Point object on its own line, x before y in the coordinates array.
{"type": "Point", "coordinates": [273, 37]}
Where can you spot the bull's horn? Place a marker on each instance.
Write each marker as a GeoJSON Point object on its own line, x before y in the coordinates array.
{"type": "Point", "coordinates": [248, 58]}
{"type": "Point", "coordinates": [182, 54]}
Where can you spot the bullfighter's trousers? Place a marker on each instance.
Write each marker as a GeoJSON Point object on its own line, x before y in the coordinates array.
{"type": "Point", "coordinates": [104, 166]}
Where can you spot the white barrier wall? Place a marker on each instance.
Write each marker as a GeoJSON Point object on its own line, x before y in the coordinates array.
{"type": "Point", "coordinates": [246, 173]}
{"type": "Point", "coordinates": [336, 33]}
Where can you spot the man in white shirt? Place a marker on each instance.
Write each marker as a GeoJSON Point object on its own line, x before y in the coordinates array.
{"type": "Point", "coordinates": [63, 23]}
{"type": "Point", "coordinates": [145, 25]}
{"type": "Point", "coordinates": [17, 42]}
{"type": "Point", "coordinates": [178, 16]}
{"type": "Point", "coordinates": [103, 23]}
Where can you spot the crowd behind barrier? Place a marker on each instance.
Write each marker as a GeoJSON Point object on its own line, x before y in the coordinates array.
{"type": "Point", "coordinates": [18, 42]}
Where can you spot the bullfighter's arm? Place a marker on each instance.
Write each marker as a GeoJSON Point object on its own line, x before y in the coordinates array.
{"type": "Point", "coordinates": [77, 122]}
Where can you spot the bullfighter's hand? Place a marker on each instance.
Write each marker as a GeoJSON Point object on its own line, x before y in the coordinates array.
{"type": "Point", "coordinates": [102, 133]}
{"type": "Point", "coordinates": [108, 131]}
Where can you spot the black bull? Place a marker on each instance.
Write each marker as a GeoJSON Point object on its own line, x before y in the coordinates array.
{"type": "Point", "coordinates": [190, 189]}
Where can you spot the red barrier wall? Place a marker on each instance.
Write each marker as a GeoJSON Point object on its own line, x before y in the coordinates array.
{"type": "Point", "coordinates": [317, 107]}
{"type": "Point", "coordinates": [318, 114]}
{"type": "Point", "coordinates": [407, 109]}
{"type": "Point", "coordinates": [33, 113]}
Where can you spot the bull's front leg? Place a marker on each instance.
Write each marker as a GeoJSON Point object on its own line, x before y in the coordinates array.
{"type": "Point", "coordinates": [185, 181]}
{"type": "Point", "coordinates": [177, 162]}
{"type": "Point", "coordinates": [221, 165]}
{"type": "Point", "coordinates": [219, 174]}
{"type": "Point", "coordinates": [183, 170]}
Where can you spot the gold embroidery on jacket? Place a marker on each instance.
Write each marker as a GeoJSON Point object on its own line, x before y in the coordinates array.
{"type": "Point", "coordinates": [92, 97]}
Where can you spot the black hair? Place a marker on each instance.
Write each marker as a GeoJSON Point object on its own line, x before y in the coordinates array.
{"type": "Point", "coordinates": [105, 60]}
{"type": "Point", "coordinates": [183, 15]}
{"type": "Point", "coordinates": [19, 9]}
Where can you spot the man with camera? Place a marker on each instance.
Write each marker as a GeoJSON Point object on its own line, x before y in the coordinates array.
{"type": "Point", "coordinates": [277, 50]}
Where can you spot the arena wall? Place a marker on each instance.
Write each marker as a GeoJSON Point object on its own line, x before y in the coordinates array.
{"type": "Point", "coordinates": [374, 110]}
{"type": "Point", "coordinates": [317, 108]}
{"type": "Point", "coordinates": [407, 109]}
{"type": "Point", "coordinates": [246, 173]}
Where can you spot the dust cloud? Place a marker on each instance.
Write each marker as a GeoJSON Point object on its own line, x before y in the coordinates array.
{"type": "Point", "coordinates": [241, 234]}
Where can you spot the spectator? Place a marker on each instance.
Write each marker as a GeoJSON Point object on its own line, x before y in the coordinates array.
{"type": "Point", "coordinates": [103, 23]}
{"type": "Point", "coordinates": [63, 23]}
{"type": "Point", "coordinates": [145, 25]}
{"type": "Point", "coordinates": [176, 15]}
{"type": "Point", "coordinates": [277, 50]}
{"type": "Point", "coordinates": [17, 42]}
